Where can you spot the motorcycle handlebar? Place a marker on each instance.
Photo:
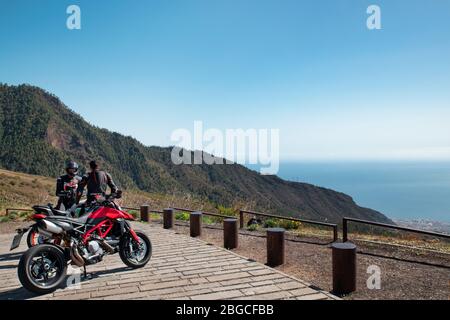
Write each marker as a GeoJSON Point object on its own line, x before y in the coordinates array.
{"type": "Point", "coordinates": [109, 197]}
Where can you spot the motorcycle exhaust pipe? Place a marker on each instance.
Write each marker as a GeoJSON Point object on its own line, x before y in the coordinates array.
{"type": "Point", "coordinates": [107, 246]}
{"type": "Point", "coordinates": [75, 256]}
{"type": "Point", "coordinates": [45, 233]}
{"type": "Point", "coordinates": [50, 227]}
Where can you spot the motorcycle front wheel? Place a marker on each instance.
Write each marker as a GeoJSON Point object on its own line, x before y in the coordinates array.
{"type": "Point", "coordinates": [133, 254]}
{"type": "Point", "coordinates": [42, 268]}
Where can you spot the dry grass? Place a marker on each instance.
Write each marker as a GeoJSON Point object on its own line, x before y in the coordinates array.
{"type": "Point", "coordinates": [22, 190]}
{"type": "Point", "coordinates": [407, 240]}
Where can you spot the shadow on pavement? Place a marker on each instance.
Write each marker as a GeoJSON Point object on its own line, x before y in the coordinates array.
{"type": "Point", "coordinates": [11, 256]}
{"type": "Point", "coordinates": [17, 294]}
{"type": "Point", "coordinates": [23, 294]}
{"type": "Point", "coordinates": [8, 266]}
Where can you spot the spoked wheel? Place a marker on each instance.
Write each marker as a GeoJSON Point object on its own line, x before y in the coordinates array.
{"type": "Point", "coordinates": [134, 254]}
{"type": "Point", "coordinates": [42, 268]}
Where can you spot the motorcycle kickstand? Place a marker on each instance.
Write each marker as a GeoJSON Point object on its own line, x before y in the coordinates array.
{"type": "Point", "coordinates": [86, 275]}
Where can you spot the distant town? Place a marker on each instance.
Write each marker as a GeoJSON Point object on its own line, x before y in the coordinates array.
{"type": "Point", "coordinates": [424, 224]}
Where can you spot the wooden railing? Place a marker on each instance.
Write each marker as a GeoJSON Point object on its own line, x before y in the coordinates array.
{"type": "Point", "coordinates": [206, 213]}
{"type": "Point", "coordinates": [345, 221]}
{"type": "Point", "coordinates": [8, 210]}
{"type": "Point", "coordinates": [138, 209]}
{"type": "Point", "coordinates": [333, 226]}
{"type": "Point", "coordinates": [324, 224]}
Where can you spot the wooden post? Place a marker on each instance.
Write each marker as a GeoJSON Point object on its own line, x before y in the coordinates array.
{"type": "Point", "coordinates": [335, 234]}
{"type": "Point", "coordinates": [145, 213]}
{"type": "Point", "coordinates": [275, 247]}
{"type": "Point", "coordinates": [344, 267]}
{"type": "Point", "coordinates": [241, 219]}
{"type": "Point", "coordinates": [230, 233]}
{"type": "Point", "coordinates": [168, 218]}
{"type": "Point", "coordinates": [344, 230]}
{"type": "Point", "coordinates": [195, 219]}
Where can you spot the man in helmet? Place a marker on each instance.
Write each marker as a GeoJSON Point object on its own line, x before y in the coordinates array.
{"type": "Point", "coordinates": [96, 182]}
{"type": "Point", "coordinates": [67, 185]}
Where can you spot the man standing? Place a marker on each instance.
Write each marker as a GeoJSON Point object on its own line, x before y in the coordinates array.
{"type": "Point", "coordinates": [96, 182]}
{"type": "Point", "coordinates": [67, 185]}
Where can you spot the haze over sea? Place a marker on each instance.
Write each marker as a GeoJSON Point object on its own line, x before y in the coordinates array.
{"type": "Point", "coordinates": [400, 190]}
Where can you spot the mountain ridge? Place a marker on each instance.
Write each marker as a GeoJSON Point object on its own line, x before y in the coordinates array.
{"type": "Point", "coordinates": [38, 133]}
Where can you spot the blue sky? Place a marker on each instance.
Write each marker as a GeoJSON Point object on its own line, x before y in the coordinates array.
{"type": "Point", "coordinates": [335, 89]}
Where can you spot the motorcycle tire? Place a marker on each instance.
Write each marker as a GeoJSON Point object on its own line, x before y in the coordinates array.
{"type": "Point", "coordinates": [126, 256]}
{"type": "Point", "coordinates": [43, 262]}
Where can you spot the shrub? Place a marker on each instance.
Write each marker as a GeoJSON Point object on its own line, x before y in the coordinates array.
{"type": "Point", "coordinates": [253, 227]}
{"type": "Point", "coordinates": [271, 223]}
{"type": "Point", "coordinates": [24, 214]}
{"type": "Point", "coordinates": [209, 220]}
{"type": "Point", "coordinates": [289, 224]}
{"type": "Point", "coordinates": [134, 213]}
{"type": "Point", "coordinates": [10, 217]}
{"type": "Point", "coordinates": [155, 216]}
{"type": "Point", "coordinates": [227, 211]}
{"type": "Point", "coordinates": [4, 219]}
{"type": "Point", "coordinates": [182, 216]}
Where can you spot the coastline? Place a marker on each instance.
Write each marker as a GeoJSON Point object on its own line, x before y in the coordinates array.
{"type": "Point", "coordinates": [424, 224]}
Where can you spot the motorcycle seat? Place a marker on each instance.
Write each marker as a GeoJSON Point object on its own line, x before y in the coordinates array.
{"type": "Point", "coordinates": [50, 211]}
{"type": "Point", "coordinates": [81, 220]}
{"type": "Point", "coordinates": [60, 212]}
{"type": "Point", "coordinates": [42, 209]}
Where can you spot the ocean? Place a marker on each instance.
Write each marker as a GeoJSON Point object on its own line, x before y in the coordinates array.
{"type": "Point", "coordinates": [408, 190]}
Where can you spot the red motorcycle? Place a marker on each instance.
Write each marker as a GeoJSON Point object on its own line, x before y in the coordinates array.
{"type": "Point", "coordinates": [80, 241]}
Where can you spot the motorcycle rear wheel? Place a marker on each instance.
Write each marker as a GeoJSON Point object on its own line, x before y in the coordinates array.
{"type": "Point", "coordinates": [42, 268]}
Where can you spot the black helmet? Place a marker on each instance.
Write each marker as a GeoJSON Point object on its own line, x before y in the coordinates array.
{"type": "Point", "coordinates": [71, 165]}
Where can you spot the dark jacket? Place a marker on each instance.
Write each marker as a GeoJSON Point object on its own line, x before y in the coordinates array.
{"type": "Point", "coordinates": [66, 190]}
{"type": "Point", "coordinates": [96, 182]}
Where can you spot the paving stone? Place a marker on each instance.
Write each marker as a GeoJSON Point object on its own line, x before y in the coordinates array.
{"type": "Point", "coordinates": [315, 296]}
{"type": "Point", "coordinates": [261, 283]}
{"type": "Point", "coordinates": [290, 285]}
{"type": "Point", "coordinates": [261, 289]}
{"type": "Point", "coordinates": [302, 291]}
{"type": "Point", "coordinates": [165, 284]}
{"type": "Point", "coordinates": [78, 296]}
{"type": "Point", "coordinates": [228, 276]}
{"type": "Point", "coordinates": [116, 292]}
{"type": "Point", "coordinates": [236, 286]}
{"type": "Point", "coordinates": [218, 295]}
{"type": "Point", "coordinates": [260, 272]}
{"type": "Point", "coordinates": [268, 296]}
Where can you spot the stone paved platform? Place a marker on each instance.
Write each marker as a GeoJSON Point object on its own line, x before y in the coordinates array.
{"type": "Point", "coordinates": [181, 268]}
